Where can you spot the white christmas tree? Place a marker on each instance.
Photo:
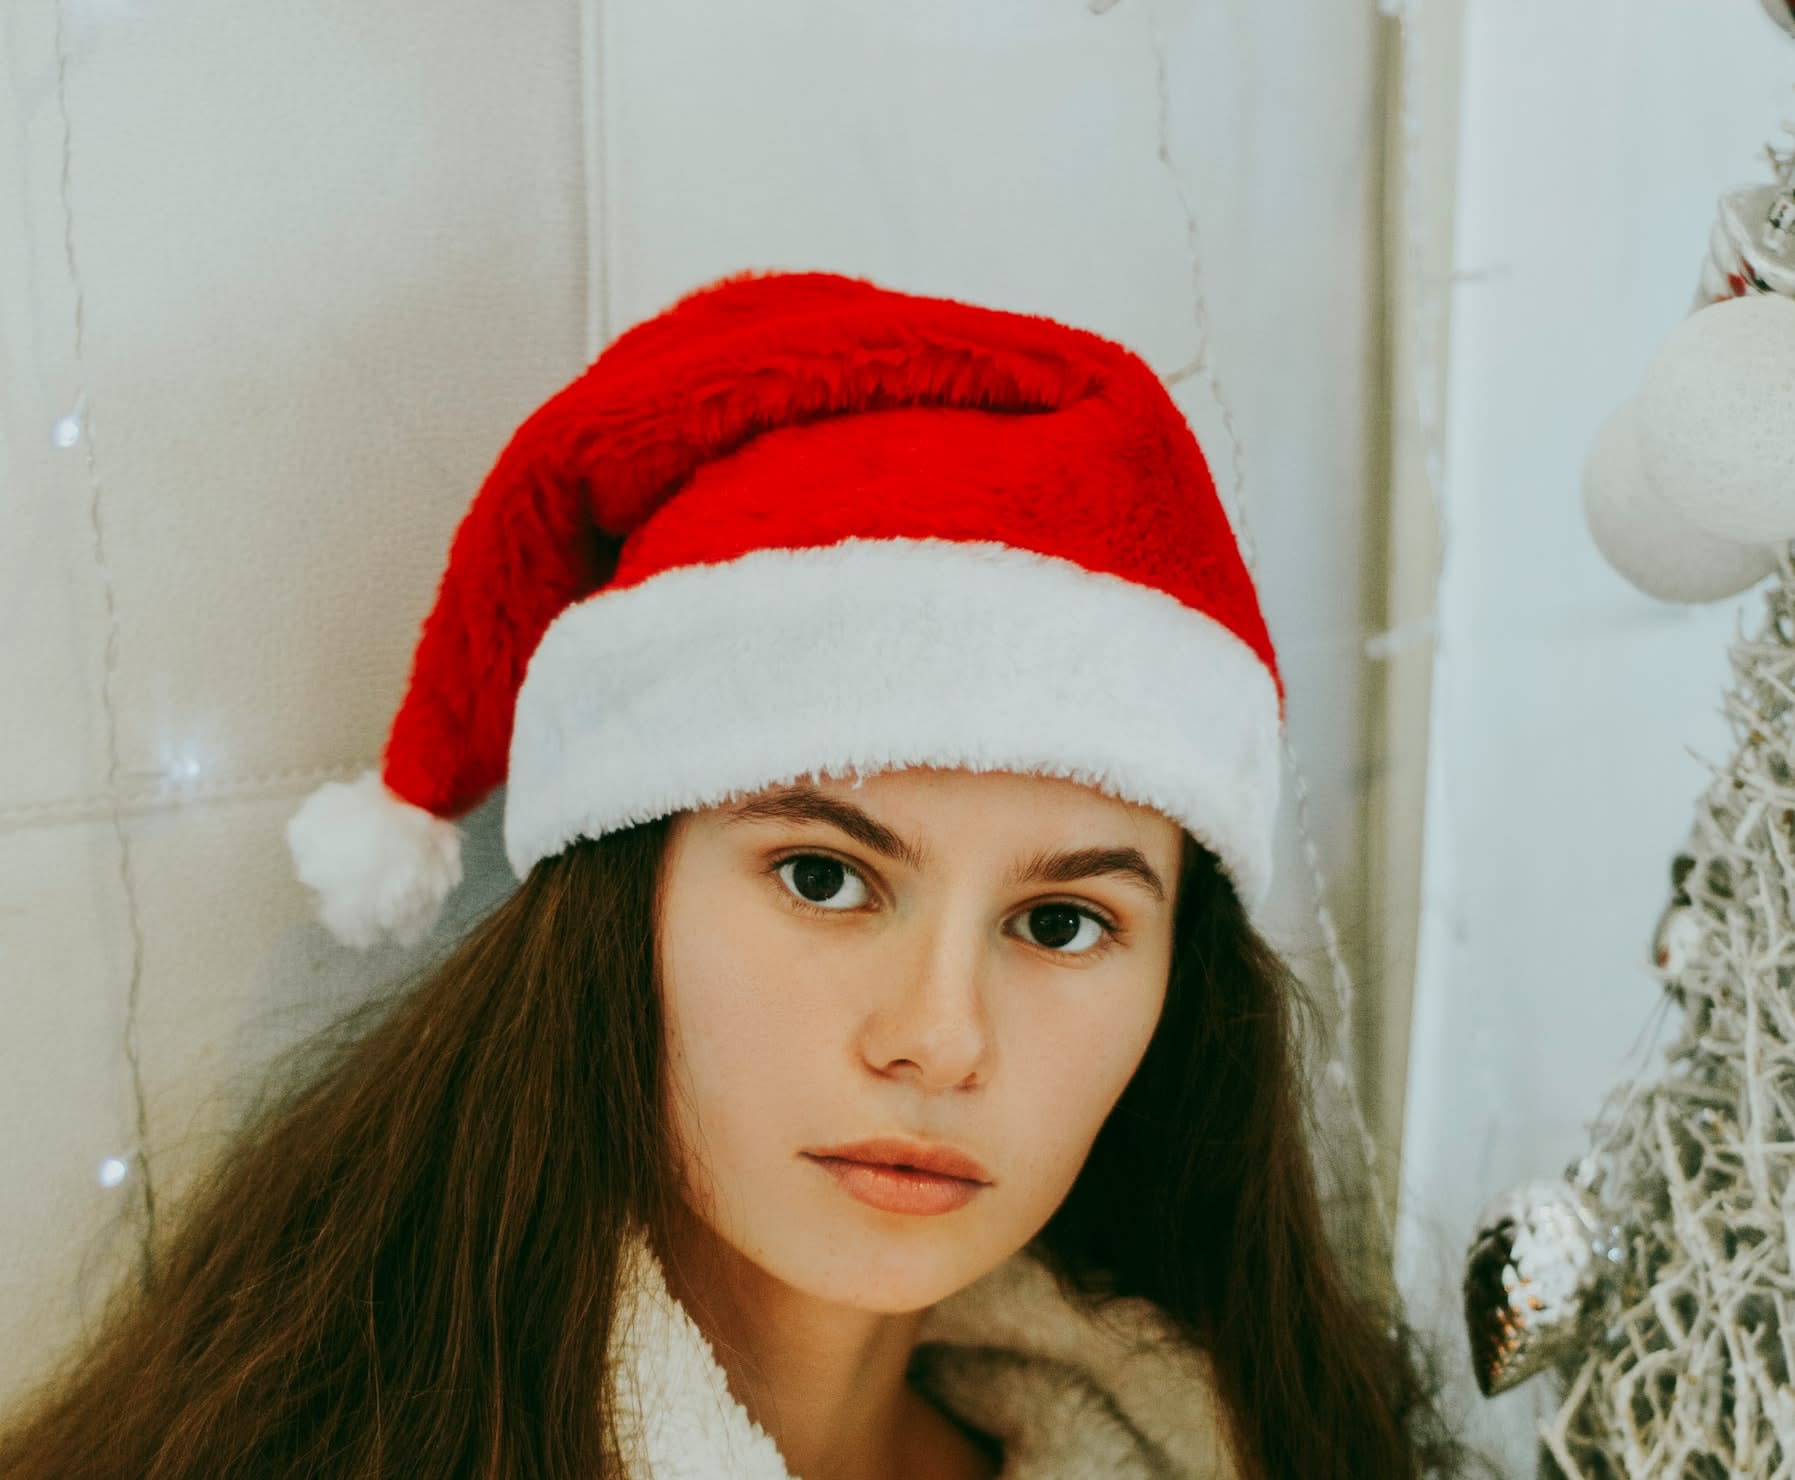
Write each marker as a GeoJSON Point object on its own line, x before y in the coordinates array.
{"type": "Point", "coordinates": [1690, 1311]}
{"type": "Point", "coordinates": [1656, 1277]}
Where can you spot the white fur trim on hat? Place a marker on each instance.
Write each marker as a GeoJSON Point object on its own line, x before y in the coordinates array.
{"type": "Point", "coordinates": [380, 865]}
{"type": "Point", "coordinates": [708, 682]}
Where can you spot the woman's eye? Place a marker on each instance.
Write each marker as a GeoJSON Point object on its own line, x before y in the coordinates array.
{"type": "Point", "coordinates": [817, 880]}
{"type": "Point", "coordinates": [827, 883]}
{"type": "Point", "coordinates": [1062, 926]}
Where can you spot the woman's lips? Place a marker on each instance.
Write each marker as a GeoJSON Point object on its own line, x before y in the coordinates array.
{"type": "Point", "coordinates": [898, 1189]}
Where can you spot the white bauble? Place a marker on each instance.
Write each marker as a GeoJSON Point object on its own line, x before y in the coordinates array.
{"type": "Point", "coordinates": [1647, 540]}
{"type": "Point", "coordinates": [1716, 419]}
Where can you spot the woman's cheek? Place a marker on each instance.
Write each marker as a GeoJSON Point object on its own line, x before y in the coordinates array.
{"type": "Point", "coordinates": [760, 1001]}
{"type": "Point", "coordinates": [744, 1021]}
{"type": "Point", "coordinates": [1084, 1066]}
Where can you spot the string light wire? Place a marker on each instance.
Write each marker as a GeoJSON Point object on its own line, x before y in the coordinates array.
{"type": "Point", "coordinates": [1202, 362]}
{"type": "Point", "coordinates": [77, 430]}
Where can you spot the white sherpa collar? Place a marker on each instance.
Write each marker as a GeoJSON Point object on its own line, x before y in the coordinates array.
{"type": "Point", "coordinates": [1072, 1396]}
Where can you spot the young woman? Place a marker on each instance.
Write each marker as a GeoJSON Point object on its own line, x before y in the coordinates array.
{"type": "Point", "coordinates": [878, 1072]}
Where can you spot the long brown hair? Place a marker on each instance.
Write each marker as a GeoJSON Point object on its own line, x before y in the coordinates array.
{"type": "Point", "coordinates": [407, 1261]}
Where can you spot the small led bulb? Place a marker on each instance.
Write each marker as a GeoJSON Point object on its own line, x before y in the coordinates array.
{"type": "Point", "coordinates": [67, 431]}
{"type": "Point", "coordinates": [113, 1170]}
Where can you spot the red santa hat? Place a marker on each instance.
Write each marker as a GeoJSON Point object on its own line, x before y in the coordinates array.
{"type": "Point", "coordinates": [800, 524]}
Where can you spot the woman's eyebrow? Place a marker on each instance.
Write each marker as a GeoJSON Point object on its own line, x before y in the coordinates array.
{"type": "Point", "coordinates": [802, 804]}
{"type": "Point", "coordinates": [805, 805]}
{"type": "Point", "coordinates": [1087, 863]}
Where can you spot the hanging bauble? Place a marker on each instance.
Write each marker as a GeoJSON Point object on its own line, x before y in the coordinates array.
{"type": "Point", "coordinates": [1678, 936]}
{"type": "Point", "coordinates": [1715, 431]}
{"type": "Point", "coordinates": [1646, 539]}
{"type": "Point", "coordinates": [1541, 1253]}
{"type": "Point", "coordinates": [1746, 253]}
{"type": "Point", "coordinates": [1677, 941]}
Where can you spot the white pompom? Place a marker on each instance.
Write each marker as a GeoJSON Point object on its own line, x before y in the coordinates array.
{"type": "Point", "coordinates": [1645, 538]}
{"type": "Point", "coordinates": [1716, 418]}
{"type": "Point", "coordinates": [380, 865]}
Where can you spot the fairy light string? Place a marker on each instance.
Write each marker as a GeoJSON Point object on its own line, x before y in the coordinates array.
{"type": "Point", "coordinates": [1337, 1071]}
{"type": "Point", "coordinates": [73, 430]}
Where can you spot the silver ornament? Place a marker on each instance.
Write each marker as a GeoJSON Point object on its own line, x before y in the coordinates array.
{"type": "Point", "coordinates": [1678, 940]}
{"type": "Point", "coordinates": [1677, 937]}
{"type": "Point", "coordinates": [1541, 1252]}
{"type": "Point", "coordinates": [1749, 246]}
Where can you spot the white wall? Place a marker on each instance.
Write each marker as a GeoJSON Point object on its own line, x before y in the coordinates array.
{"type": "Point", "coordinates": [324, 258]}
{"type": "Point", "coordinates": [1594, 141]}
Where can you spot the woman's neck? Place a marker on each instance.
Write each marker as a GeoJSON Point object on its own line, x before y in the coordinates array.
{"type": "Point", "coordinates": [825, 1381]}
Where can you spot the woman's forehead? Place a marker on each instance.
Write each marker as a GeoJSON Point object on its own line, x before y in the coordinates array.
{"type": "Point", "coordinates": [911, 807]}
{"type": "Point", "coordinates": [946, 788]}
{"type": "Point", "coordinates": [1031, 834]}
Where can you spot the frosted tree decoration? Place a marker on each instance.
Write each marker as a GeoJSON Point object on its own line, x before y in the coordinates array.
{"type": "Point", "coordinates": [1687, 1332]}
{"type": "Point", "coordinates": [1655, 1277]}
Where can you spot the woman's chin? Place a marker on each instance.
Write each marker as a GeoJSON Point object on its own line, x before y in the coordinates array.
{"type": "Point", "coordinates": [887, 1272]}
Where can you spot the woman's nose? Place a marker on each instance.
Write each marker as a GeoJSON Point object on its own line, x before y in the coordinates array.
{"type": "Point", "coordinates": [930, 1018]}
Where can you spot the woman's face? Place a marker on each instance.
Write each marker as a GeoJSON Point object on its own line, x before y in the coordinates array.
{"type": "Point", "coordinates": [976, 960]}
